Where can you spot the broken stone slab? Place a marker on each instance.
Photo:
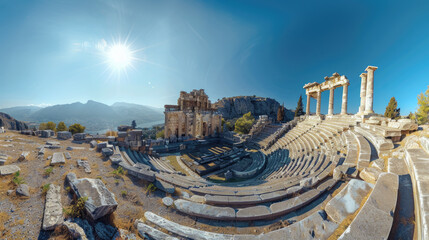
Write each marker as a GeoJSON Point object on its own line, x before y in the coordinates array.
{"type": "Point", "coordinates": [52, 146]}
{"type": "Point", "coordinates": [64, 135]}
{"type": "Point", "coordinates": [369, 174]}
{"type": "Point", "coordinates": [101, 201]}
{"type": "Point", "coordinates": [53, 215]}
{"type": "Point", "coordinates": [23, 190]}
{"type": "Point", "coordinates": [379, 164]}
{"type": "Point", "coordinates": [23, 156]}
{"type": "Point", "coordinates": [203, 210]}
{"type": "Point", "coordinates": [69, 148]}
{"type": "Point", "coordinates": [9, 169]}
{"type": "Point", "coordinates": [3, 158]}
{"type": "Point", "coordinates": [52, 143]}
{"type": "Point", "coordinates": [85, 165]}
{"type": "Point", "coordinates": [149, 232]}
{"type": "Point", "coordinates": [340, 171]}
{"type": "Point", "coordinates": [308, 182]}
{"type": "Point", "coordinates": [348, 200]}
{"type": "Point", "coordinates": [67, 155]}
{"type": "Point", "coordinates": [58, 158]}
{"type": "Point", "coordinates": [75, 230]}
{"type": "Point", "coordinates": [375, 219]}
{"type": "Point", "coordinates": [116, 158]}
{"type": "Point", "coordinates": [41, 151]}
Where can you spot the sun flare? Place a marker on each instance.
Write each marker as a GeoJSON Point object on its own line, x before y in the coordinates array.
{"type": "Point", "coordinates": [119, 56]}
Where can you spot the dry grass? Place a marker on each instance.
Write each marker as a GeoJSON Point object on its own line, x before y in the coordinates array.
{"type": "Point", "coordinates": [347, 221]}
{"type": "Point", "coordinates": [3, 218]}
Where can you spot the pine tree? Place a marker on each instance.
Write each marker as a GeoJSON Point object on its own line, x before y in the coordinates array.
{"type": "Point", "coordinates": [299, 109]}
{"type": "Point", "coordinates": [280, 113]}
{"type": "Point", "coordinates": [392, 110]}
{"type": "Point", "coordinates": [134, 124]}
{"type": "Point", "coordinates": [423, 110]}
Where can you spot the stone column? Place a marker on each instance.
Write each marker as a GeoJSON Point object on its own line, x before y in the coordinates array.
{"type": "Point", "coordinates": [369, 89]}
{"type": "Point", "coordinates": [362, 93]}
{"type": "Point", "coordinates": [331, 101]}
{"type": "Point", "coordinates": [344, 102]}
{"type": "Point", "coordinates": [307, 110]}
{"type": "Point", "coordinates": [319, 99]}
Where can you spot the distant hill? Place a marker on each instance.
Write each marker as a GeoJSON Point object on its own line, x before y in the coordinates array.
{"type": "Point", "coordinates": [235, 107]}
{"type": "Point", "coordinates": [22, 112]}
{"type": "Point", "coordinates": [95, 116]}
{"type": "Point", "coordinates": [11, 123]}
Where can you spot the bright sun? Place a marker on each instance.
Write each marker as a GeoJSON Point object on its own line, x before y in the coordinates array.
{"type": "Point", "coordinates": [119, 56]}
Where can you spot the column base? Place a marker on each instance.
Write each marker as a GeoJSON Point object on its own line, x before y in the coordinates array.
{"type": "Point", "coordinates": [368, 112]}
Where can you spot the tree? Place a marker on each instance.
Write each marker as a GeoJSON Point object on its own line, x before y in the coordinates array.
{"type": "Point", "coordinates": [244, 124]}
{"type": "Point", "coordinates": [423, 110]}
{"type": "Point", "coordinates": [76, 128]}
{"type": "Point", "coordinates": [43, 126]}
{"type": "Point", "coordinates": [160, 134]}
{"type": "Point", "coordinates": [299, 109]}
{"type": "Point", "coordinates": [51, 126]}
{"type": "Point", "coordinates": [134, 124]}
{"type": "Point", "coordinates": [280, 113]}
{"type": "Point", "coordinates": [412, 116]}
{"type": "Point", "coordinates": [61, 127]}
{"type": "Point", "coordinates": [392, 110]}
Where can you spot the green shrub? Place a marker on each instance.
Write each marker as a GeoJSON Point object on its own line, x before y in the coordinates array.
{"type": "Point", "coordinates": [45, 188]}
{"type": "Point", "coordinates": [76, 128]}
{"type": "Point", "coordinates": [124, 193]}
{"type": "Point", "coordinates": [150, 188]}
{"type": "Point", "coordinates": [17, 179]}
{"type": "Point", "coordinates": [76, 210]}
{"type": "Point", "coordinates": [119, 172]}
{"type": "Point", "coordinates": [48, 171]}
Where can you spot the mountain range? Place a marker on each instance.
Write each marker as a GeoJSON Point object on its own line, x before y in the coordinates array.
{"type": "Point", "coordinates": [95, 116]}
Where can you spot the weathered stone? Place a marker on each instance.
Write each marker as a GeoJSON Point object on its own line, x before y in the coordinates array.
{"type": "Point", "coordinates": [308, 182]}
{"type": "Point", "coordinates": [64, 135]}
{"type": "Point", "coordinates": [253, 213]}
{"type": "Point", "coordinates": [85, 165]}
{"type": "Point", "coordinates": [100, 201]}
{"type": "Point", "coordinates": [9, 192]}
{"type": "Point", "coordinates": [93, 143]}
{"type": "Point", "coordinates": [106, 232]}
{"type": "Point", "coordinates": [53, 215]}
{"type": "Point", "coordinates": [58, 158]}
{"type": "Point", "coordinates": [167, 201]}
{"type": "Point", "coordinates": [348, 200]}
{"type": "Point", "coordinates": [23, 156]}
{"type": "Point", "coordinates": [9, 169]}
{"type": "Point", "coordinates": [340, 171]}
{"type": "Point", "coordinates": [126, 235]}
{"type": "Point", "coordinates": [374, 220]}
{"type": "Point", "coordinates": [198, 199]}
{"type": "Point", "coordinates": [397, 166]}
{"type": "Point", "coordinates": [148, 231]}
{"type": "Point", "coordinates": [67, 155]}
{"type": "Point", "coordinates": [52, 143]}
{"type": "Point", "coordinates": [164, 186]}
{"type": "Point", "coordinates": [75, 230]}
{"type": "Point", "coordinates": [203, 210]}
{"type": "Point", "coordinates": [41, 151]}
{"type": "Point", "coordinates": [107, 152]}
{"type": "Point", "coordinates": [370, 174]}
{"type": "Point", "coordinates": [23, 190]}
{"type": "Point", "coordinates": [379, 163]}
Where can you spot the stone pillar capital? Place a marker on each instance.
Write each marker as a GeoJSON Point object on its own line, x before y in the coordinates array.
{"type": "Point", "coordinates": [371, 68]}
{"type": "Point", "coordinates": [362, 75]}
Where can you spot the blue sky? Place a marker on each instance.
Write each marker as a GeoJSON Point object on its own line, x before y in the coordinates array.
{"type": "Point", "coordinates": [50, 50]}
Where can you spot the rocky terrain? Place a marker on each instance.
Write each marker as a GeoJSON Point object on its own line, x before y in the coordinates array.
{"type": "Point", "coordinates": [11, 123]}
{"type": "Point", "coordinates": [235, 107]}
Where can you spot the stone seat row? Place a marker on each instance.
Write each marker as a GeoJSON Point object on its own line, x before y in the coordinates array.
{"type": "Point", "coordinates": [315, 226]}
{"type": "Point", "coordinates": [373, 221]}
{"type": "Point", "coordinates": [258, 212]}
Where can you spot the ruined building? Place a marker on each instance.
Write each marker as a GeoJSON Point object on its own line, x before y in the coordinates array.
{"type": "Point", "coordinates": [193, 116]}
